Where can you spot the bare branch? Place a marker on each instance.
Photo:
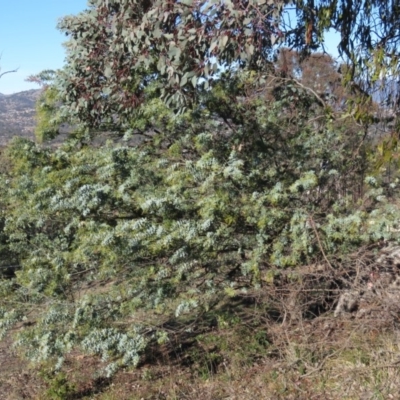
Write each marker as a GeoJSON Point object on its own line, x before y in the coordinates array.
{"type": "Point", "coordinates": [8, 72]}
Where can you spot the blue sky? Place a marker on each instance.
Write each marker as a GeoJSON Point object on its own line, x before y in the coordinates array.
{"type": "Point", "coordinates": [30, 41]}
{"type": "Point", "coordinates": [29, 38]}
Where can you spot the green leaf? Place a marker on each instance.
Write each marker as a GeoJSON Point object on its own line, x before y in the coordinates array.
{"type": "Point", "coordinates": [184, 79]}
{"type": "Point", "coordinates": [108, 72]}
{"type": "Point", "coordinates": [157, 33]}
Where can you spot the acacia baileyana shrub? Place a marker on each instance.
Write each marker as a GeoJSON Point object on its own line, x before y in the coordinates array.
{"type": "Point", "coordinates": [200, 212]}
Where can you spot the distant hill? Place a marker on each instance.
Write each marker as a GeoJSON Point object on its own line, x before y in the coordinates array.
{"type": "Point", "coordinates": [17, 118]}
{"type": "Point", "coordinates": [17, 115]}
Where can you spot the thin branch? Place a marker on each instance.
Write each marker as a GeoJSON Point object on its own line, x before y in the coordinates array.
{"type": "Point", "coordinates": [319, 241]}
{"type": "Point", "coordinates": [8, 72]}
{"type": "Point", "coordinates": [317, 96]}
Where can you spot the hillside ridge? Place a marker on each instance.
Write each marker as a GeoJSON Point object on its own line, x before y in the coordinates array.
{"type": "Point", "coordinates": [17, 114]}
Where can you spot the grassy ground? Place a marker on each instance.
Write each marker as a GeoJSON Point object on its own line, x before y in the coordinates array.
{"type": "Point", "coordinates": [237, 353]}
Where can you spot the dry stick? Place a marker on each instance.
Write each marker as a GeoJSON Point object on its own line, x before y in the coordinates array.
{"type": "Point", "coordinates": [320, 365]}
{"type": "Point", "coordinates": [8, 72]}
{"type": "Point", "coordinates": [317, 96]}
{"type": "Point", "coordinates": [319, 241]}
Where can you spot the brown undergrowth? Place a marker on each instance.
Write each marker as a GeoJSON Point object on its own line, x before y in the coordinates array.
{"type": "Point", "coordinates": [281, 341]}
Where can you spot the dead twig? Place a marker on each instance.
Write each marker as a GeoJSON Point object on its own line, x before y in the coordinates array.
{"type": "Point", "coordinates": [8, 72]}
{"type": "Point", "coordinates": [319, 241]}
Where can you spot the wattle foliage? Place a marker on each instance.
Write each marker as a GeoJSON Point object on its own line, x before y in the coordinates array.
{"type": "Point", "coordinates": [204, 210]}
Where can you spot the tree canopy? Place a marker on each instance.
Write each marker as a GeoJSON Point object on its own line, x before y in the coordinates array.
{"type": "Point", "coordinates": [116, 48]}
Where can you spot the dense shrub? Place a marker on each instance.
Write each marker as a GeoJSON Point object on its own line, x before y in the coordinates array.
{"type": "Point", "coordinates": [202, 211]}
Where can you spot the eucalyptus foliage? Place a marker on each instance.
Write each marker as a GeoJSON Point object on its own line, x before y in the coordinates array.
{"type": "Point", "coordinates": [115, 48]}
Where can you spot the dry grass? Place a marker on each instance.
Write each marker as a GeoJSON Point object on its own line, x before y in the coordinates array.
{"type": "Point", "coordinates": [281, 342]}
{"type": "Point", "coordinates": [321, 359]}
{"type": "Point", "coordinates": [349, 365]}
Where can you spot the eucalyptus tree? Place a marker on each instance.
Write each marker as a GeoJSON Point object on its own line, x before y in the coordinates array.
{"type": "Point", "coordinates": [117, 47]}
